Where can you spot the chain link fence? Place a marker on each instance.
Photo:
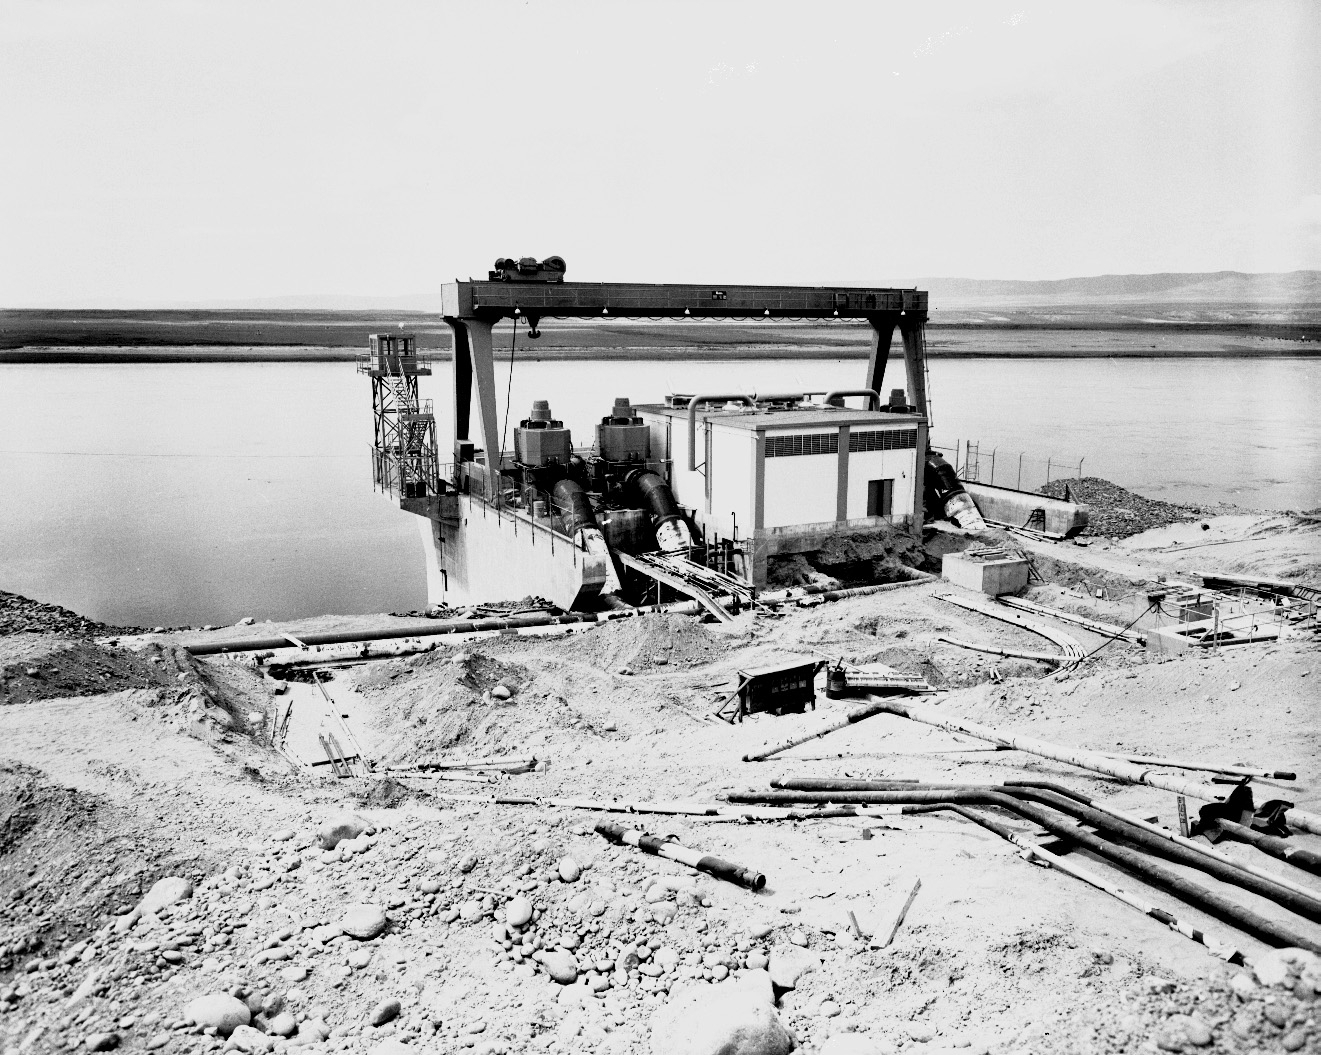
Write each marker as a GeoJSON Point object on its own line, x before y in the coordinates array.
{"type": "Point", "coordinates": [1016, 469]}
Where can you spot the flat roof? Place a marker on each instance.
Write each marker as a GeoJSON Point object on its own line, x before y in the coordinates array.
{"type": "Point", "coordinates": [764, 418]}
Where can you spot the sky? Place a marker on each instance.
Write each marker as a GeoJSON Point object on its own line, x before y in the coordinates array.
{"type": "Point", "coordinates": [164, 153]}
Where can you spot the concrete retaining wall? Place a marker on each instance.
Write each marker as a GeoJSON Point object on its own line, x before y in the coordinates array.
{"type": "Point", "coordinates": [488, 557]}
{"type": "Point", "coordinates": [1004, 505]}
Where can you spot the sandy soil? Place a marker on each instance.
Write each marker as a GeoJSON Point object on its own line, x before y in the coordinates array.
{"type": "Point", "coordinates": [123, 765]}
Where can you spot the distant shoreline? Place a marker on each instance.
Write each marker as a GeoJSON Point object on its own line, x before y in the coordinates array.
{"type": "Point", "coordinates": [718, 353]}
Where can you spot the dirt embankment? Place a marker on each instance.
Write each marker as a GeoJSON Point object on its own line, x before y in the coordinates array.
{"type": "Point", "coordinates": [19, 614]}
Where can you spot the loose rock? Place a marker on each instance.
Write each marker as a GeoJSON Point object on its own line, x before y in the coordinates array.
{"type": "Point", "coordinates": [363, 922]}
{"type": "Point", "coordinates": [218, 1011]}
{"type": "Point", "coordinates": [727, 1019]}
{"type": "Point", "coordinates": [385, 1011]}
{"type": "Point", "coordinates": [561, 966]}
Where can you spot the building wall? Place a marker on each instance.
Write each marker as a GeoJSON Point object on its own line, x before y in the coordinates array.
{"type": "Point", "coordinates": [800, 490]}
{"type": "Point", "coordinates": [865, 466]}
{"type": "Point", "coordinates": [485, 557]}
{"type": "Point", "coordinates": [731, 472]}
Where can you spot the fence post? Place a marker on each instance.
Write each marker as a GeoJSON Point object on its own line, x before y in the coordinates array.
{"type": "Point", "coordinates": [993, 450]}
{"type": "Point", "coordinates": [1080, 461]}
{"type": "Point", "coordinates": [1020, 471]}
{"type": "Point", "coordinates": [1048, 470]}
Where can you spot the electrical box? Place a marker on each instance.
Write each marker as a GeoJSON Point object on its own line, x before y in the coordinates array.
{"type": "Point", "coordinates": [785, 688]}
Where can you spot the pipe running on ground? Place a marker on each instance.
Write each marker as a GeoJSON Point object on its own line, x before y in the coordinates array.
{"type": "Point", "coordinates": [1271, 931]}
{"type": "Point", "coordinates": [1155, 840]}
{"type": "Point", "coordinates": [708, 863]}
{"type": "Point", "coordinates": [1279, 848]}
{"type": "Point", "coordinates": [442, 627]}
{"type": "Point", "coordinates": [1082, 758]}
{"type": "Point", "coordinates": [1216, 946]}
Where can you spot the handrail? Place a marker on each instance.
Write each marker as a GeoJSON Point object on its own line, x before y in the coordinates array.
{"type": "Point", "coordinates": [708, 397]}
{"type": "Point", "coordinates": [840, 393]}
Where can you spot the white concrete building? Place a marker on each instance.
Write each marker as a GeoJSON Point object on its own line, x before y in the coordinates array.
{"type": "Point", "coordinates": [782, 481]}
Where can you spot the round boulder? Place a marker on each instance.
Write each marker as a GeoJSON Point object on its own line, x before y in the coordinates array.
{"type": "Point", "coordinates": [568, 870]}
{"type": "Point", "coordinates": [166, 892]}
{"type": "Point", "coordinates": [519, 911]}
{"type": "Point", "coordinates": [218, 1011]}
{"type": "Point", "coordinates": [561, 966]}
{"type": "Point", "coordinates": [363, 922]}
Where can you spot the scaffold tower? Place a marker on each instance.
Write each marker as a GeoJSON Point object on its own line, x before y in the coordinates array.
{"type": "Point", "coordinates": [404, 455]}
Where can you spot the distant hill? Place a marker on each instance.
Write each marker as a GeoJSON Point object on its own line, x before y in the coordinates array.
{"type": "Point", "coordinates": [1289, 288]}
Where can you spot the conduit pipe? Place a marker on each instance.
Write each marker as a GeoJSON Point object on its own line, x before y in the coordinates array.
{"type": "Point", "coordinates": [840, 393]}
{"type": "Point", "coordinates": [580, 525]}
{"type": "Point", "coordinates": [1293, 897]}
{"type": "Point", "coordinates": [1268, 930]}
{"type": "Point", "coordinates": [672, 534]}
{"type": "Point", "coordinates": [1083, 759]}
{"type": "Point", "coordinates": [708, 397]}
{"type": "Point", "coordinates": [1271, 844]}
{"type": "Point", "coordinates": [1032, 852]}
{"type": "Point", "coordinates": [442, 627]}
{"type": "Point", "coordinates": [1202, 767]}
{"type": "Point", "coordinates": [1008, 653]}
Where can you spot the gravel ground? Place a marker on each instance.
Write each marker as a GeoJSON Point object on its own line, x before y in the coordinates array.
{"type": "Point", "coordinates": [20, 614]}
{"type": "Point", "coordinates": [1117, 512]}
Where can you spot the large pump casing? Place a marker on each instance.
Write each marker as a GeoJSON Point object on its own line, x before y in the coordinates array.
{"type": "Point", "coordinates": [540, 439]}
{"type": "Point", "coordinates": [540, 447]}
{"type": "Point", "coordinates": [623, 437]}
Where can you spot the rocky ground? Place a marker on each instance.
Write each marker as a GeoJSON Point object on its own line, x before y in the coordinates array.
{"type": "Point", "coordinates": [20, 614]}
{"type": "Point", "coordinates": [1116, 512]}
{"type": "Point", "coordinates": [170, 882]}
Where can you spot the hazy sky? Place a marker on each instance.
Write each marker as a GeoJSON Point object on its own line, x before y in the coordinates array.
{"type": "Point", "coordinates": [167, 152]}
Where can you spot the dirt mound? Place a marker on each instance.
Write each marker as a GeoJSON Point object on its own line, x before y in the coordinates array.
{"type": "Point", "coordinates": [440, 703]}
{"type": "Point", "coordinates": [38, 667]}
{"type": "Point", "coordinates": [213, 699]}
{"type": "Point", "coordinates": [19, 614]}
{"type": "Point", "coordinates": [49, 881]}
{"type": "Point", "coordinates": [1117, 512]}
{"type": "Point", "coordinates": [1052, 570]}
{"type": "Point", "coordinates": [647, 643]}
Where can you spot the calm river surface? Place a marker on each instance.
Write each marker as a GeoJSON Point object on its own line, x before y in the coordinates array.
{"type": "Point", "coordinates": [200, 493]}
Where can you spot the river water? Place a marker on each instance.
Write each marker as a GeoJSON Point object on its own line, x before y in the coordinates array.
{"type": "Point", "coordinates": [188, 493]}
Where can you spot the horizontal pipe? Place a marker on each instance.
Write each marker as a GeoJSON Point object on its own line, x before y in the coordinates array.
{"type": "Point", "coordinates": [1008, 653]}
{"type": "Point", "coordinates": [1133, 637]}
{"type": "Point", "coordinates": [1196, 845]}
{"type": "Point", "coordinates": [1201, 767]}
{"type": "Point", "coordinates": [1307, 860]}
{"type": "Point", "coordinates": [1300, 900]}
{"type": "Point", "coordinates": [849, 719]}
{"type": "Point", "coordinates": [1083, 759]}
{"type": "Point", "coordinates": [443, 627]}
{"type": "Point", "coordinates": [839, 393]}
{"type": "Point", "coordinates": [1032, 852]}
{"type": "Point", "coordinates": [716, 866]}
{"type": "Point", "coordinates": [709, 397]}
{"type": "Point", "coordinates": [1268, 930]}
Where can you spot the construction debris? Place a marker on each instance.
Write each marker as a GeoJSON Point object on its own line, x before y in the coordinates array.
{"type": "Point", "coordinates": [671, 850]}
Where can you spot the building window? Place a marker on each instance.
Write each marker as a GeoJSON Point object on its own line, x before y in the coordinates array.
{"type": "Point", "coordinates": [880, 498]}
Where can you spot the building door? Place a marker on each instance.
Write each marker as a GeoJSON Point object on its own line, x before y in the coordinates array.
{"type": "Point", "coordinates": [880, 498]}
